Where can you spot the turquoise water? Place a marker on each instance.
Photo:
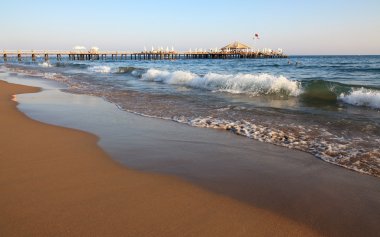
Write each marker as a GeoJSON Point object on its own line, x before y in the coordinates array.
{"type": "Point", "coordinates": [325, 105]}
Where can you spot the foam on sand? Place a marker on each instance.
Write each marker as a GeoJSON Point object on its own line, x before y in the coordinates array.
{"type": "Point", "coordinates": [321, 144]}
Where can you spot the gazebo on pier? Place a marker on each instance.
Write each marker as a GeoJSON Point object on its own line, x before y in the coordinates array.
{"type": "Point", "coordinates": [236, 47]}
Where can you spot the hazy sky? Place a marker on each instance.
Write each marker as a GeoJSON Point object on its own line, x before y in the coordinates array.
{"type": "Point", "coordinates": [297, 26]}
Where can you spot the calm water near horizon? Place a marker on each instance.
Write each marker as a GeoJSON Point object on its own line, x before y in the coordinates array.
{"type": "Point", "coordinates": [328, 106]}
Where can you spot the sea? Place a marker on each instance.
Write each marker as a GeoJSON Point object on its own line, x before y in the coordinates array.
{"type": "Point", "coordinates": [328, 106]}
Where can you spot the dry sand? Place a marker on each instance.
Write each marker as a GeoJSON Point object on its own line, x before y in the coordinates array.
{"type": "Point", "coordinates": [57, 182]}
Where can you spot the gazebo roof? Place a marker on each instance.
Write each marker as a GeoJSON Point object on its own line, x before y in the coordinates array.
{"type": "Point", "coordinates": [236, 45]}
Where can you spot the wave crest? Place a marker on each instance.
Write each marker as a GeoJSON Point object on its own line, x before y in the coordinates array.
{"type": "Point", "coordinates": [45, 64]}
{"type": "Point", "coordinates": [362, 97]}
{"type": "Point", "coordinates": [253, 84]}
{"type": "Point", "coordinates": [100, 69]}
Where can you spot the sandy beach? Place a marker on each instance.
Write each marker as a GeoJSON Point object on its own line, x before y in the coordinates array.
{"type": "Point", "coordinates": [243, 118]}
{"type": "Point", "coordinates": [57, 182]}
{"type": "Point", "coordinates": [329, 199]}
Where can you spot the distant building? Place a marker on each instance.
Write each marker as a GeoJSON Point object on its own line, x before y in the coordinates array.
{"type": "Point", "coordinates": [236, 47]}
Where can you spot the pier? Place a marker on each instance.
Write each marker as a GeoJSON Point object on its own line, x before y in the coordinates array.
{"type": "Point", "coordinates": [126, 55]}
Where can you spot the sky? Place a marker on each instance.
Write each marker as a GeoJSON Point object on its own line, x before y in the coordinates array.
{"type": "Point", "coordinates": [297, 26]}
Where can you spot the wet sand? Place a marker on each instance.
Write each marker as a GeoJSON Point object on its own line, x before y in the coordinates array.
{"type": "Point", "coordinates": [332, 200]}
{"type": "Point", "coordinates": [56, 181]}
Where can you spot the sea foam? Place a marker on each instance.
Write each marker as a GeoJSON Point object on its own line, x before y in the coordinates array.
{"type": "Point", "coordinates": [253, 84]}
{"type": "Point", "coordinates": [362, 97]}
{"type": "Point", "coordinates": [45, 64]}
{"type": "Point", "coordinates": [100, 69]}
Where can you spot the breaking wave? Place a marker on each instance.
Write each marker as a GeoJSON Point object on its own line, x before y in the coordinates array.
{"type": "Point", "coordinates": [362, 97]}
{"type": "Point", "coordinates": [134, 71]}
{"type": "Point", "coordinates": [322, 92]}
{"type": "Point", "coordinates": [253, 84]}
{"type": "Point", "coordinates": [122, 70]}
{"type": "Point", "coordinates": [45, 64]}
{"type": "Point", "coordinates": [314, 91]}
{"type": "Point", "coordinates": [100, 69]}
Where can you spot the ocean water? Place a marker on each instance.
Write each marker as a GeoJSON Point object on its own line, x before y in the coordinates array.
{"type": "Point", "coordinates": [328, 106]}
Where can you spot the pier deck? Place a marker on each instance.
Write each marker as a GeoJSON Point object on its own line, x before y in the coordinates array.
{"type": "Point", "coordinates": [123, 55]}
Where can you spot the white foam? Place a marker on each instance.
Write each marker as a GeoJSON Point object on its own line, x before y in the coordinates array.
{"type": "Point", "coordinates": [362, 97]}
{"type": "Point", "coordinates": [49, 75]}
{"type": "Point", "coordinates": [321, 143]}
{"type": "Point", "coordinates": [45, 64]}
{"type": "Point", "coordinates": [100, 69]}
{"type": "Point", "coordinates": [254, 84]}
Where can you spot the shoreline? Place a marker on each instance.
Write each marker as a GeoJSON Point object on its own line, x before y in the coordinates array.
{"type": "Point", "coordinates": [57, 181]}
{"type": "Point", "coordinates": [323, 141]}
{"type": "Point", "coordinates": [292, 184]}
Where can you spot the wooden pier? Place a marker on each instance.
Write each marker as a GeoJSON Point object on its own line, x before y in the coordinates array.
{"type": "Point", "coordinates": [126, 55]}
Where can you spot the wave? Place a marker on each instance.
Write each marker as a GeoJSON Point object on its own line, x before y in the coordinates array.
{"type": "Point", "coordinates": [320, 91]}
{"type": "Point", "coordinates": [72, 65]}
{"type": "Point", "coordinates": [100, 69]}
{"type": "Point", "coordinates": [362, 97]}
{"type": "Point", "coordinates": [134, 71]}
{"type": "Point", "coordinates": [252, 84]}
{"type": "Point", "coordinates": [45, 64]}
{"type": "Point", "coordinates": [315, 92]}
{"type": "Point", "coordinates": [325, 92]}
